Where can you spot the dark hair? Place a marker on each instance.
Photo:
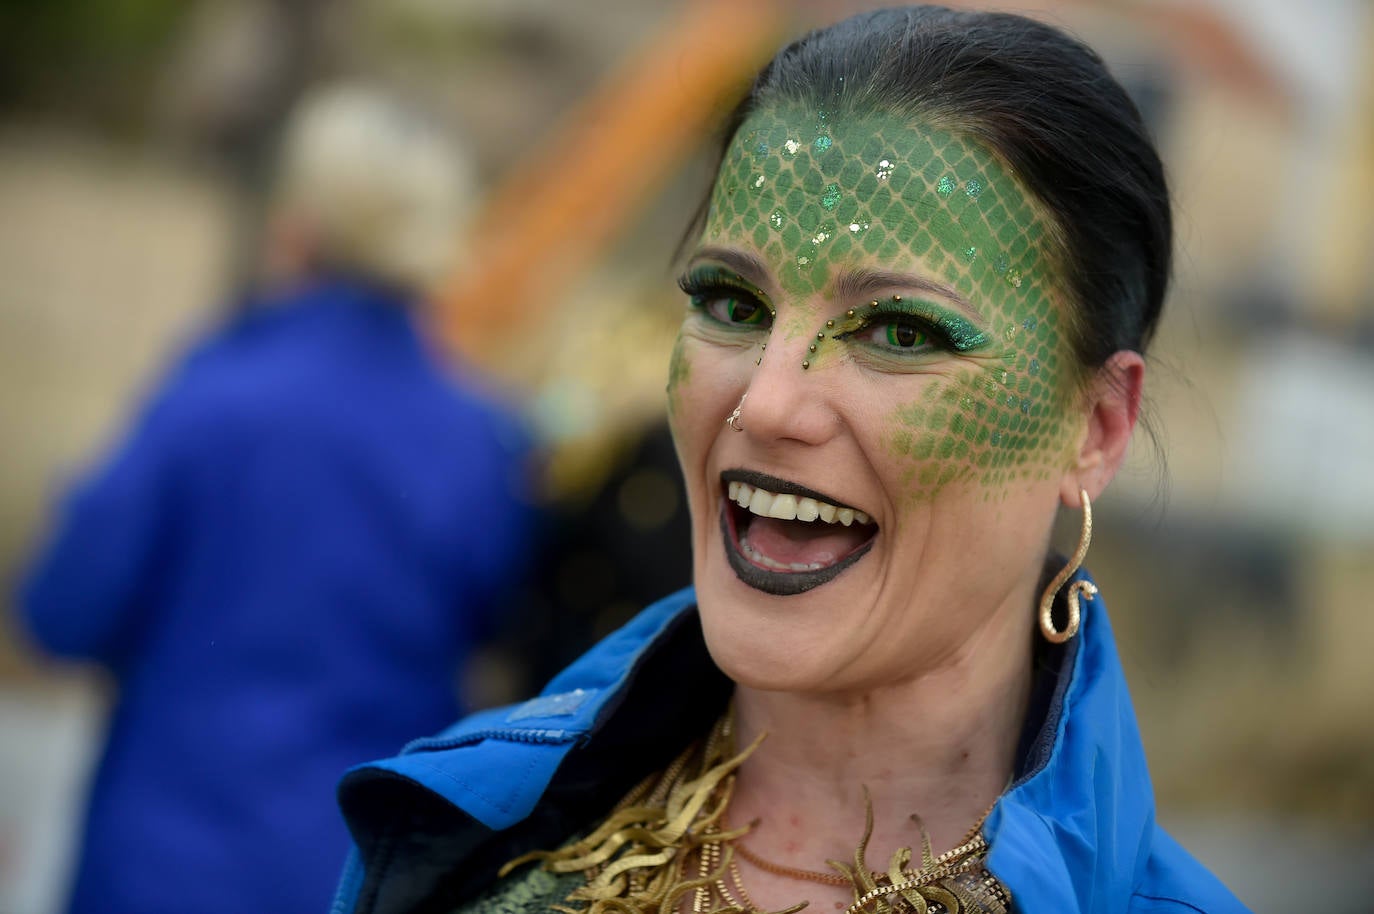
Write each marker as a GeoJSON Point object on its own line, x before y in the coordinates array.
{"type": "Point", "coordinates": [1041, 101]}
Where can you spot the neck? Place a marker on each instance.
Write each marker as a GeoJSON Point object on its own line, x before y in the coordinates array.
{"type": "Point", "coordinates": [941, 745]}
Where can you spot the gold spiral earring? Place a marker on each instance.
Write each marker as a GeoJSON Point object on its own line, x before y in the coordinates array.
{"type": "Point", "coordinates": [1077, 590]}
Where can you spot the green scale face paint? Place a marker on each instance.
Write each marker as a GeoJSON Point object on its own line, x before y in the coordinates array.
{"type": "Point", "coordinates": [815, 198]}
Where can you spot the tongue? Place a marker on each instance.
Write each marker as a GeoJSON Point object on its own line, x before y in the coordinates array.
{"type": "Point", "coordinates": [798, 542]}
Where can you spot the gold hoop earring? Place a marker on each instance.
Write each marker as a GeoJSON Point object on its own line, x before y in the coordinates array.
{"type": "Point", "coordinates": [1077, 590]}
{"type": "Point", "coordinates": [733, 419]}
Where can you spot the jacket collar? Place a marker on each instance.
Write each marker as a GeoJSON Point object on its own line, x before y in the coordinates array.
{"type": "Point", "coordinates": [1074, 832]}
{"type": "Point", "coordinates": [1071, 834]}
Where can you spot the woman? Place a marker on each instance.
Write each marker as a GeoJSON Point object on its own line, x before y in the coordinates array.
{"type": "Point", "coordinates": [936, 246]}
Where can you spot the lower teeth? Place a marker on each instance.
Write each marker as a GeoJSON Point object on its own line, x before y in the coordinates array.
{"type": "Point", "coordinates": [761, 559]}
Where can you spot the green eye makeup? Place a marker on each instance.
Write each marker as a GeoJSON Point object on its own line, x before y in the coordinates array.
{"type": "Point", "coordinates": [906, 318]}
{"type": "Point", "coordinates": [882, 194]}
{"type": "Point", "coordinates": [726, 298]}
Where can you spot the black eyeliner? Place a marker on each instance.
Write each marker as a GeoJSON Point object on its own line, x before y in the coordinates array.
{"type": "Point", "coordinates": [708, 277]}
{"type": "Point", "coordinates": [952, 330]}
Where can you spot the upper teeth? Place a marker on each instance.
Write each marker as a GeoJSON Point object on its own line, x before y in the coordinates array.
{"type": "Point", "coordinates": [790, 507]}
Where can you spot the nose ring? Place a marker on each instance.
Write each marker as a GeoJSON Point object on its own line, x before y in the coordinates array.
{"type": "Point", "coordinates": [733, 419]}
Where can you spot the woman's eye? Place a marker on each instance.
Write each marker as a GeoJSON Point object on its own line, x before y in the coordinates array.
{"type": "Point", "coordinates": [905, 336]}
{"type": "Point", "coordinates": [731, 309]}
{"type": "Point", "coordinates": [896, 334]}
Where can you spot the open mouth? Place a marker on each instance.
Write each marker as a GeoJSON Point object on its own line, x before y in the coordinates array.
{"type": "Point", "coordinates": [785, 539]}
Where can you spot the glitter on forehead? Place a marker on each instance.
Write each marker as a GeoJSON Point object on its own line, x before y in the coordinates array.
{"type": "Point", "coordinates": [882, 194]}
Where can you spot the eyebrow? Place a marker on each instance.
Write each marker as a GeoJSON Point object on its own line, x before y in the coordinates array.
{"type": "Point", "coordinates": [746, 265]}
{"type": "Point", "coordinates": [860, 284]}
{"type": "Point", "coordinates": [852, 285]}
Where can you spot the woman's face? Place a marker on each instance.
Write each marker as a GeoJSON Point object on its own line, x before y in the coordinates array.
{"type": "Point", "coordinates": [884, 295]}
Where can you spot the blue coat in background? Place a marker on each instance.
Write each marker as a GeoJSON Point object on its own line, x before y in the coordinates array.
{"type": "Point", "coordinates": [283, 566]}
{"type": "Point", "coordinates": [1074, 834]}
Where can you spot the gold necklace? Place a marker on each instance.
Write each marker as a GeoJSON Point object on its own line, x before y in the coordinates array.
{"type": "Point", "coordinates": [965, 857]}
{"type": "Point", "coordinates": [787, 872]}
{"type": "Point", "coordinates": [667, 839]}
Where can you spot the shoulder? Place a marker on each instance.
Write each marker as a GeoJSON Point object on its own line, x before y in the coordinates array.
{"type": "Point", "coordinates": [249, 380]}
{"type": "Point", "coordinates": [496, 764]}
{"type": "Point", "coordinates": [1174, 881]}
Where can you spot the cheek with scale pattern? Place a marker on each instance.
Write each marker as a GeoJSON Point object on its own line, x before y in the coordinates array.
{"type": "Point", "coordinates": [679, 369]}
{"type": "Point", "coordinates": [813, 194]}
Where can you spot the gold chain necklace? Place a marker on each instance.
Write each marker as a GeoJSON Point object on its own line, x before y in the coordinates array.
{"type": "Point", "coordinates": [778, 869]}
{"type": "Point", "coordinates": [667, 839]}
{"type": "Point", "coordinates": [787, 872]}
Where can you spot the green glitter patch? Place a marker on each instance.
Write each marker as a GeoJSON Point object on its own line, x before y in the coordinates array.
{"type": "Point", "coordinates": [882, 196]}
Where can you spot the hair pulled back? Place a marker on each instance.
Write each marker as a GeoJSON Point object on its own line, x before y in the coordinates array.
{"type": "Point", "coordinates": [1039, 99]}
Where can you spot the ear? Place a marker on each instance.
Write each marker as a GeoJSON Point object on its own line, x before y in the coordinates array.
{"type": "Point", "coordinates": [1112, 404]}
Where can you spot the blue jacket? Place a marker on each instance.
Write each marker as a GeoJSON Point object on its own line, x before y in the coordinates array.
{"type": "Point", "coordinates": [1075, 832]}
{"type": "Point", "coordinates": [283, 565]}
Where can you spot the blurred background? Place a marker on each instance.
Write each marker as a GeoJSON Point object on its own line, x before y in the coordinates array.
{"type": "Point", "coordinates": [1235, 551]}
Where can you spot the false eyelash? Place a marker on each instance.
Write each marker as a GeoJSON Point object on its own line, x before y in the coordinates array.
{"type": "Point", "coordinates": [933, 332]}
{"type": "Point", "coordinates": [953, 334]}
{"type": "Point", "coordinates": [702, 281]}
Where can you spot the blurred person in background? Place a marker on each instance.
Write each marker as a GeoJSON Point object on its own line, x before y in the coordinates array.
{"type": "Point", "coordinates": [937, 245]}
{"type": "Point", "coordinates": [288, 558]}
